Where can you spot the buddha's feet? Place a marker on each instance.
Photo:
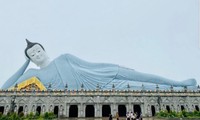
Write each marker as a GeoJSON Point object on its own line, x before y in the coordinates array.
{"type": "Point", "coordinates": [189, 82]}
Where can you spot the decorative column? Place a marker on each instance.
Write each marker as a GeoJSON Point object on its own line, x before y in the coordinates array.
{"type": "Point", "coordinates": [97, 111]}
{"type": "Point", "coordinates": [26, 110]}
{"type": "Point", "coordinates": [113, 108]}
{"type": "Point", "coordinates": [100, 109]}
{"type": "Point", "coordinates": [80, 110]}
{"type": "Point", "coordinates": [67, 109]}
{"type": "Point", "coordinates": [142, 109]}
{"type": "Point", "coordinates": [127, 107]}
{"type": "Point", "coordinates": [149, 113]}
{"type": "Point", "coordinates": [61, 110]}
{"type": "Point", "coordinates": [30, 104]}
{"type": "Point", "coordinates": [6, 109]}
{"type": "Point", "coordinates": [84, 106]}
{"type": "Point", "coordinates": [64, 111]}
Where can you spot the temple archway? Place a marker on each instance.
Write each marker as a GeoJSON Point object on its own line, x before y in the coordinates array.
{"type": "Point", "coordinates": [1, 109]}
{"type": "Point", "coordinates": [153, 110]}
{"type": "Point", "coordinates": [122, 110]}
{"type": "Point", "coordinates": [89, 111]}
{"type": "Point", "coordinates": [55, 111]}
{"type": "Point", "coordinates": [38, 110]}
{"type": "Point", "coordinates": [168, 108]}
{"type": "Point", "coordinates": [196, 107]}
{"type": "Point", "coordinates": [106, 110]}
{"type": "Point", "coordinates": [20, 109]}
{"type": "Point", "coordinates": [137, 109]}
{"type": "Point", "coordinates": [73, 111]}
{"type": "Point", "coordinates": [182, 108]}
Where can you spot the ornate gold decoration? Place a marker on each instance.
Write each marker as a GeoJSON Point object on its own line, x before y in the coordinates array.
{"type": "Point", "coordinates": [30, 84]}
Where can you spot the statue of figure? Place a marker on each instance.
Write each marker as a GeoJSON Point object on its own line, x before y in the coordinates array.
{"type": "Point", "coordinates": [7, 110]}
{"type": "Point", "coordinates": [61, 110]}
{"type": "Point", "coordinates": [51, 108]}
{"type": "Point", "coordinates": [26, 110]}
{"type": "Point", "coordinates": [43, 109]}
{"type": "Point", "coordinates": [33, 109]}
{"type": "Point", "coordinates": [70, 70]}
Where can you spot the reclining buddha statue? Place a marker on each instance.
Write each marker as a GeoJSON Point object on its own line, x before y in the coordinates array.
{"type": "Point", "coordinates": [72, 71]}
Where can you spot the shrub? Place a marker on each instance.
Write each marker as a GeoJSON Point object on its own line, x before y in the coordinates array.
{"type": "Point", "coordinates": [1, 114]}
{"type": "Point", "coordinates": [21, 114]}
{"type": "Point", "coordinates": [30, 115]}
{"type": "Point", "coordinates": [46, 115]}
{"type": "Point", "coordinates": [162, 114]}
{"type": "Point", "coordinates": [181, 114]}
{"type": "Point", "coordinates": [52, 115]}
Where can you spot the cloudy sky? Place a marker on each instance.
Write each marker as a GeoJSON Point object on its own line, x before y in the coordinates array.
{"type": "Point", "coordinates": [160, 37]}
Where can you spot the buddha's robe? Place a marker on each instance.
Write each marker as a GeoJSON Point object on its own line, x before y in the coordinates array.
{"type": "Point", "coordinates": [70, 70]}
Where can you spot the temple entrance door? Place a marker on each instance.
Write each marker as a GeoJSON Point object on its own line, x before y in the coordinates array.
{"type": "Point", "coordinates": [182, 108]}
{"type": "Point", "coordinates": [168, 108]}
{"type": "Point", "coordinates": [55, 111]}
{"type": "Point", "coordinates": [137, 109]}
{"type": "Point", "coordinates": [106, 110]}
{"type": "Point", "coordinates": [153, 110]}
{"type": "Point", "coordinates": [20, 109]}
{"type": "Point", "coordinates": [122, 110]}
{"type": "Point", "coordinates": [1, 109]}
{"type": "Point", "coordinates": [196, 107]}
{"type": "Point", "coordinates": [89, 111]}
{"type": "Point", "coordinates": [73, 111]}
{"type": "Point", "coordinates": [38, 110]}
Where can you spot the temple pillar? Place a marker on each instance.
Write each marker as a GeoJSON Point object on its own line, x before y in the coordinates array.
{"type": "Point", "coordinates": [29, 107]}
{"type": "Point", "coordinates": [67, 110]}
{"type": "Point", "coordinates": [128, 109]}
{"type": "Point", "coordinates": [83, 110]}
{"type": "Point", "coordinates": [7, 107]}
{"type": "Point", "coordinates": [61, 111]}
{"type": "Point", "coordinates": [131, 107]}
{"type": "Point", "coordinates": [80, 110]}
{"type": "Point", "coordinates": [97, 111]}
{"type": "Point", "coordinates": [100, 109]}
{"type": "Point", "coordinates": [114, 109]}
{"type": "Point", "coordinates": [142, 109]}
{"type": "Point", "coordinates": [64, 109]}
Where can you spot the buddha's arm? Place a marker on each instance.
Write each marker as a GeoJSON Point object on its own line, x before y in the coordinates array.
{"type": "Point", "coordinates": [16, 76]}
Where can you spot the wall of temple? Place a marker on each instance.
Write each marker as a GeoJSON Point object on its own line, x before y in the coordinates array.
{"type": "Point", "coordinates": [98, 103]}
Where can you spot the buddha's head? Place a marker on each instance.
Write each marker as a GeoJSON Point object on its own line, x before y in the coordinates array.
{"type": "Point", "coordinates": [36, 53]}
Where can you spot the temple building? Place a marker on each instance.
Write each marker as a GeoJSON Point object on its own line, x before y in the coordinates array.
{"type": "Point", "coordinates": [33, 97]}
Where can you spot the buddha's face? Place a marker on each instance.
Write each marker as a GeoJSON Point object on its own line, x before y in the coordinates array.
{"type": "Point", "coordinates": [37, 54]}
